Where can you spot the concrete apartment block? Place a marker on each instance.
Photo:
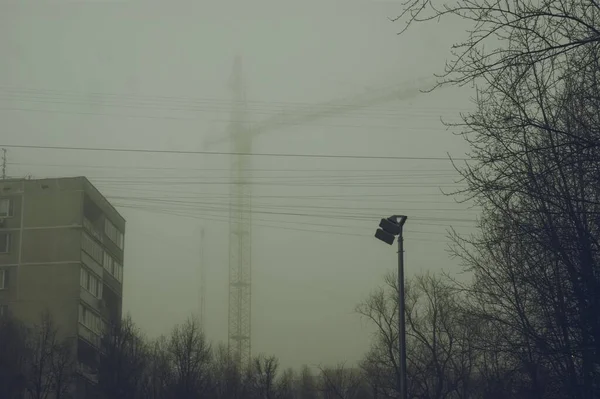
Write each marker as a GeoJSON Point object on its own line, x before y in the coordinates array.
{"type": "Point", "coordinates": [61, 250]}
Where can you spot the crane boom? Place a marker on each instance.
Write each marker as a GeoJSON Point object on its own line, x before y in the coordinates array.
{"type": "Point", "coordinates": [334, 108]}
{"type": "Point", "coordinates": [311, 113]}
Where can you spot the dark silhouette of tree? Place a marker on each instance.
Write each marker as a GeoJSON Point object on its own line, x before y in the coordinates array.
{"type": "Point", "coordinates": [124, 362]}
{"type": "Point", "coordinates": [159, 374]}
{"type": "Point", "coordinates": [508, 35]}
{"type": "Point", "coordinates": [534, 140]}
{"type": "Point", "coordinates": [440, 338]}
{"type": "Point", "coordinates": [307, 384]}
{"type": "Point", "coordinates": [340, 382]}
{"type": "Point", "coordinates": [13, 350]}
{"type": "Point", "coordinates": [262, 377]}
{"type": "Point", "coordinates": [190, 355]}
{"type": "Point", "coordinates": [226, 375]}
{"type": "Point", "coordinates": [287, 385]}
{"type": "Point", "coordinates": [50, 361]}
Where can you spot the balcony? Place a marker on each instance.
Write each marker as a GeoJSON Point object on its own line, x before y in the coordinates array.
{"type": "Point", "coordinates": [94, 232]}
{"type": "Point", "coordinates": [88, 335]}
{"type": "Point", "coordinates": [87, 372]}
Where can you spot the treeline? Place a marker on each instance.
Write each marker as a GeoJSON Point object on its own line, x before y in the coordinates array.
{"type": "Point", "coordinates": [35, 363]}
{"type": "Point", "coordinates": [459, 346]}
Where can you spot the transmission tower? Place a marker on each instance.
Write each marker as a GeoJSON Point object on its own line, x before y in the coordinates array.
{"type": "Point", "coordinates": [202, 282]}
{"type": "Point", "coordinates": [4, 163]}
{"type": "Point", "coordinates": [240, 231]}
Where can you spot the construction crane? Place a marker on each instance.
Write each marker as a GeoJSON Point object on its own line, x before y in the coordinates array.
{"type": "Point", "coordinates": [241, 136]}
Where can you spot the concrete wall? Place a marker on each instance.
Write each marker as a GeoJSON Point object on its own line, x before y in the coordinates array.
{"type": "Point", "coordinates": [46, 238]}
{"type": "Point", "coordinates": [53, 202]}
{"type": "Point", "coordinates": [46, 242]}
{"type": "Point", "coordinates": [9, 294]}
{"type": "Point", "coordinates": [49, 287]}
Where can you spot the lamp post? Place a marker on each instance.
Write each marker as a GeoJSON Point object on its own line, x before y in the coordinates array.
{"type": "Point", "coordinates": [388, 230]}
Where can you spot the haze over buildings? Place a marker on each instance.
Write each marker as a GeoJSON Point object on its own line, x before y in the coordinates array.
{"type": "Point", "coordinates": [133, 75]}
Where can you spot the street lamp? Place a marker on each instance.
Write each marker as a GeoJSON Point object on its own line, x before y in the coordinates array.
{"type": "Point", "coordinates": [388, 230]}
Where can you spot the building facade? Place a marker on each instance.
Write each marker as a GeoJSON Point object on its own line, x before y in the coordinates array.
{"type": "Point", "coordinates": [61, 250]}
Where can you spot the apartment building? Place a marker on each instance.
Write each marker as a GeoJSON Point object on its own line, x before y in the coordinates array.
{"type": "Point", "coordinates": [61, 250]}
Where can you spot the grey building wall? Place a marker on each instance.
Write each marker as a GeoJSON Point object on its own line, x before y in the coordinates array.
{"type": "Point", "coordinates": [48, 221]}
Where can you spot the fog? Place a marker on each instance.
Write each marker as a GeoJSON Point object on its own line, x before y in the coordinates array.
{"type": "Point", "coordinates": [148, 76]}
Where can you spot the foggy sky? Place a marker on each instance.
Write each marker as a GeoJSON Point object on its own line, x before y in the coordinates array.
{"type": "Point", "coordinates": [163, 69]}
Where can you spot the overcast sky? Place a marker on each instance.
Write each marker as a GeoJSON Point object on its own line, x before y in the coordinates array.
{"type": "Point", "coordinates": [155, 75]}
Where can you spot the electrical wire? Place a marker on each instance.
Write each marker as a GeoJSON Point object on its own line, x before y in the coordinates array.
{"type": "Point", "coordinates": [213, 218]}
{"type": "Point", "coordinates": [256, 154]}
{"type": "Point", "coordinates": [291, 170]}
{"type": "Point", "coordinates": [356, 216]}
{"type": "Point", "coordinates": [103, 98]}
{"type": "Point", "coordinates": [264, 205]}
{"type": "Point", "coordinates": [226, 108]}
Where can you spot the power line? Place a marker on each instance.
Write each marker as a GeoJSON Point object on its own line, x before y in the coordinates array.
{"type": "Point", "coordinates": [102, 96]}
{"type": "Point", "coordinates": [309, 177]}
{"type": "Point", "coordinates": [220, 120]}
{"type": "Point", "coordinates": [217, 218]}
{"type": "Point", "coordinates": [271, 206]}
{"type": "Point", "coordinates": [348, 197]}
{"type": "Point", "coordinates": [351, 215]}
{"type": "Point", "coordinates": [190, 152]}
{"type": "Point", "coordinates": [209, 107]}
{"type": "Point", "coordinates": [292, 170]}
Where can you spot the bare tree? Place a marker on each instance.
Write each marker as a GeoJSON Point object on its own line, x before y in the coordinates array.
{"type": "Point", "coordinates": [63, 367]}
{"type": "Point", "coordinates": [159, 372]}
{"type": "Point", "coordinates": [13, 353]}
{"type": "Point", "coordinates": [262, 377]}
{"type": "Point", "coordinates": [507, 35]}
{"type": "Point", "coordinates": [307, 385]}
{"type": "Point", "coordinates": [534, 171]}
{"type": "Point", "coordinates": [124, 362]}
{"type": "Point", "coordinates": [227, 377]}
{"type": "Point", "coordinates": [287, 385]}
{"type": "Point", "coordinates": [535, 262]}
{"type": "Point", "coordinates": [341, 382]}
{"type": "Point", "coordinates": [381, 309]}
{"type": "Point", "coordinates": [440, 339]}
{"type": "Point", "coordinates": [190, 355]}
{"type": "Point", "coordinates": [50, 361]}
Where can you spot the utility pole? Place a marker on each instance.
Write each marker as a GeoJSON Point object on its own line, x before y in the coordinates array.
{"type": "Point", "coordinates": [389, 229]}
{"type": "Point", "coordinates": [3, 163]}
{"type": "Point", "coordinates": [401, 314]}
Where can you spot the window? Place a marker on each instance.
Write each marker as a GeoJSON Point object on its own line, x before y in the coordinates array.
{"type": "Point", "coordinates": [89, 226]}
{"type": "Point", "coordinates": [4, 243]}
{"type": "Point", "coordinates": [5, 207]}
{"type": "Point", "coordinates": [113, 267]}
{"type": "Point", "coordinates": [119, 270]}
{"type": "Point", "coordinates": [84, 278]}
{"type": "Point", "coordinates": [91, 320]}
{"type": "Point", "coordinates": [91, 283]}
{"type": "Point", "coordinates": [113, 233]}
{"type": "Point", "coordinates": [92, 248]}
{"type": "Point", "coordinates": [3, 279]}
{"type": "Point", "coordinates": [108, 262]}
